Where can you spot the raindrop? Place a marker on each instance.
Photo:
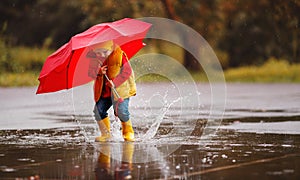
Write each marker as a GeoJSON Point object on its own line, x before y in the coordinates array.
{"type": "Point", "coordinates": [224, 156]}
{"type": "Point", "coordinates": [215, 156]}
{"type": "Point", "coordinates": [286, 171]}
{"type": "Point", "coordinates": [24, 159]}
{"type": "Point", "coordinates": [276, 173]}
{"type": "Point", "coordinates": [8, 170]}
{"type": "Point", "coordinates": [286, 145]}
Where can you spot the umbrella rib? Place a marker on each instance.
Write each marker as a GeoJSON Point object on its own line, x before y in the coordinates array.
{"type": "Point", "coordinates": [68, 65]}
{"type": "Point", "coordinates": [116, 29]}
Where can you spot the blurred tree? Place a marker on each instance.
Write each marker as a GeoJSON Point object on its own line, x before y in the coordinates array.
{"type": "Point", "coordinates": [199, 15]}
{"type": "Point", "coordinates": [98, 11]}
{"type": "Point", "coordinates": [257, 30]}
{"type": "Point", "coordinates": [286, 18]}
{"type": "Point", "coordinates": [56, 20]}
{"type": "Point", "coordinates": [247, 32]}
{"type": "Point", "coordinates": [13, 17]}
{"type": "Point", "coordinates": [32, 22]}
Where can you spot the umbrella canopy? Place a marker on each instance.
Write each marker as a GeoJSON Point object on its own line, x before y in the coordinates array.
{"type": "Point", "coordinates": [68, 66]}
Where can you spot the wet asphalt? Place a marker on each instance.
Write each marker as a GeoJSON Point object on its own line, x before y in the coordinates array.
{"type": "Point", "coordinates": [256, 137]}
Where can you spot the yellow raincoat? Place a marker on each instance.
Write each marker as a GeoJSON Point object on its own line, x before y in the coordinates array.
{"type": "Point", "coordinates": [114, 65]}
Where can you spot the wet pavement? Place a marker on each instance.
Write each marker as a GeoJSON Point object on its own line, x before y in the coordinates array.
{"type": "Point", "coordinates": [51, 136]}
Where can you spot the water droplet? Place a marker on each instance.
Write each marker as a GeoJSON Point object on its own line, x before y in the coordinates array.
{"type": "Point", "coordinates": [8, 169]}
{"type": "Point", "coordinates": [286, 145]}
{"type": "Point", "coordinates": [224, 156]}
{"type": "Point", "coordinates": [287, 171]}
{"type": "Point", "coordinates": [215, 156]}
{"type": "Point", "coordinates": [24, 159]}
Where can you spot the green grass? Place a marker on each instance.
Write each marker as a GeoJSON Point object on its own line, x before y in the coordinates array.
{"type": "Point", "coordinates": [28, 59]}
{"type": "Point", "coordinates": [18, 79]}
{"type": "Point", "coordinates": [20, 66]}
{"type": "Point", "coordinates": [271, 71]}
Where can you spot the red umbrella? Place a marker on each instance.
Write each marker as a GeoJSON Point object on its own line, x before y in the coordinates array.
{"type": "Point", "coordinates": [68, 66]}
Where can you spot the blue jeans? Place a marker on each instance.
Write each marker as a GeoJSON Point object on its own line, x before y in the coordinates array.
{"type": "Point", "coordinates": [103, 105]}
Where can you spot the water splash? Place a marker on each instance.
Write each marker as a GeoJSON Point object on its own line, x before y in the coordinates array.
{"type": "Point", "coordinates": [163, 107]}
{"type": "Point", "coordinates": [85, 130]}
{"type": "Point", "coordinates": [153, 129]}
{"type": "Point", "coordinates": [116, 134]}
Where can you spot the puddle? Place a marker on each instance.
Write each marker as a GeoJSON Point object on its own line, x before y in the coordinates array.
{"type": "Point", "coordinates": [243, 154]}
{"type": "Point", "coordinates": [258, 137]}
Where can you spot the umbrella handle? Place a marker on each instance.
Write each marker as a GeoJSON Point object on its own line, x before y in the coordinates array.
{"type": "Point", "coordinates": [115, 91]}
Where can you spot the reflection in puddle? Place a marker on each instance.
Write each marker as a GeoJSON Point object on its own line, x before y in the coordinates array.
{"type": "Point", "coordinates": [62, 154]}
{"type": "Point", "coordinates": [109, 168]}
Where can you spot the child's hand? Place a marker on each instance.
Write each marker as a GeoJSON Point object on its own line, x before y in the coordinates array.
{"type": "Point", "coordinates": [103, 69]}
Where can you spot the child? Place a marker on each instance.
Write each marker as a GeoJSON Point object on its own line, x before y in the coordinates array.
{"type": "Point", "coordinates": [114, 64]}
